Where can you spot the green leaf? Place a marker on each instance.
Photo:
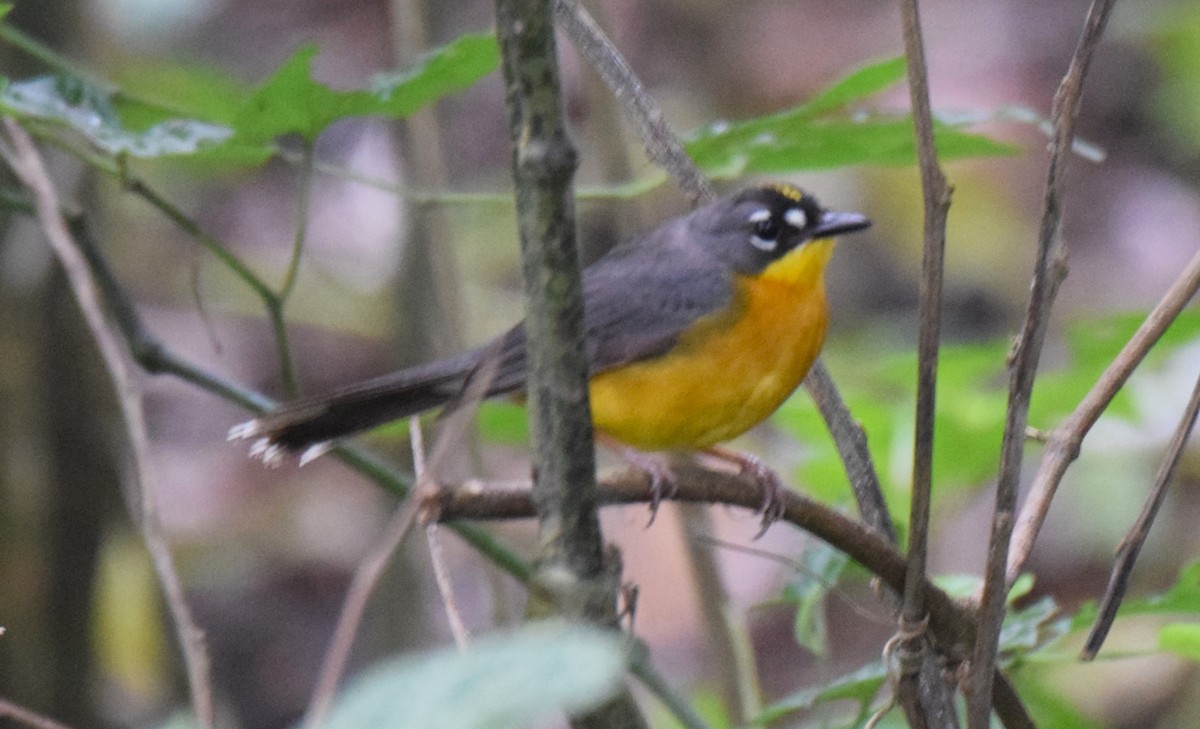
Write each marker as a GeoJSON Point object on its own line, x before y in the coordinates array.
{"type": "Point", "coordinates": [91, 112]}
{"type": "Point", "coordinates": [1093, 344]}
{"type": "Point", "coordinates": [868, 80]}
{"type": "Point", "coordinates": [859, 686]}
{"type": "Point", "coordinates": [453, 67]}
{"type": "Point", "coordinates": [1032, 627]}
{"type": "Point", "coordinates": [822, 133]}
{"type": "Point", "coordinates": [5, 9]}
{"type": "Point", "coordinates": [1047, 704]}
{"type": "Point", "coordinates": [188, 91]}
{"type": "Point", "coordinates": [963, 586]}
{"type": "Point", "coordinates": [1176, 92]}
{"type": "Point", "coordinates": [820, 567]}
{"type": "Point", "coordinates": [788, 142]}
{"type": "Point", "coordinates": [500, 681]}
{"type": "Point", "coordinates": [1181, 639]}
{"type": "Point", "coordinates": [292, 102]}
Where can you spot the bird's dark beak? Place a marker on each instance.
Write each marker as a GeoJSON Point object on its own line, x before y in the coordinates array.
{"type": "Point", "coordinates": [832, 223]}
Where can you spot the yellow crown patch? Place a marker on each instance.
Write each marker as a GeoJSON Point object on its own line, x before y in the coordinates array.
{"type": "Point", "coordinates": [791, 193]}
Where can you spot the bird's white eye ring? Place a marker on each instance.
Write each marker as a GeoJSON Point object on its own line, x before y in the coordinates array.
{"type": "Point", "coordinates": [762, 244]}
{"type": "Point", "coordinates": [766, 230]}
{"type": "Point", "coordinates": [796, 218]}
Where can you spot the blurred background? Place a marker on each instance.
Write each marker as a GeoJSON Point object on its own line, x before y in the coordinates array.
{"type": "Point", "coordinates": [391, 279]}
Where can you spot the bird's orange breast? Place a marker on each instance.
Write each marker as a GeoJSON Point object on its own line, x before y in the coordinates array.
{"type": "Point", "coordinates": [728, 371]}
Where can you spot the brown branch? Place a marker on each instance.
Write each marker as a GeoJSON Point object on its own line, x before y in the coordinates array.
{"type": "Point", "coordinates": [951, 624]}
{"type": "Point", "coordinates": [571, 548]}
{"type": "Point", "coordinates": [22, 156]}
{"type": "Point", "coordinates": [851, 442]}
{"type": "Point", "coordinates": [1063, 443]}
{"type": "Point", "coordinates": [1131, 545]}
{"type": "Point", "coordinates": [936, 193]}
{"type": "Point", "coordinates": [661, 143]}
{"type": "Point", "coordinates": [543, 167]}
{"type": "Point", "coordinates": [1049, 271]}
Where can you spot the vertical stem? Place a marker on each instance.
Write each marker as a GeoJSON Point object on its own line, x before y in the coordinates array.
{"type": "Point", "coordinates": [543, 166]}
{"type": "Point", "coordinates": [571, 561]}
{"type": "Point", "coordinates": [937, 203]}
{"type": "Point", "coordinates": [1049, 271]}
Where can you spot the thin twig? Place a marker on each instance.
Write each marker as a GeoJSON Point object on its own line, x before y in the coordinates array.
{"type": "Point", "coordinates": [731, 652]}
{"type": "Point", "coordinates": [936, 193]}
{"type": "Point", "coordinates": [661, 142]}
{"type": "Point", "coordinates": [22, 156]}
{"type": "Point", "coordinates": [362, 586]}
{"type": "Point", "coordinates": [851, 442]}
{"type": "Point", "coordinates": [25, 716]}
{"type": "Point", "coordinates": [797, 566]}
{"type": "Point", "coordinates": [1049, 271]}
{"type": "Point", "coordinates": [275, 305]}
{"type": "Point", "coordinates": [441, 574]}
{"type": "Point", "coordinates": [445, 585]}
{"type": "Point", "coordinates": [1064, 441]}
{"type": "Point", "coordinates": [1131, 545]}
{"type": "Point", "coordinates": [369, 570]}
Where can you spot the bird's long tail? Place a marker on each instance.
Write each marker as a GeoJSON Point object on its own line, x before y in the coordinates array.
{"type": "Point", "coordinates": [309, 425]}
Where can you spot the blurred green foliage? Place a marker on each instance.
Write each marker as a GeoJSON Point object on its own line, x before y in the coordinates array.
{"type": "Point", "coordinates": [880, 389]}
{"type": "Point", "coordinates": [1176, 43]}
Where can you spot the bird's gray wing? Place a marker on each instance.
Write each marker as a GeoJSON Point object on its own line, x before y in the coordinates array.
{"type": "Point", "coordinates": [638, 304]}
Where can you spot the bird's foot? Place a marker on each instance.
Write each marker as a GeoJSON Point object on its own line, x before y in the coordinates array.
{"type": "Point", "coordinates": [773, 489]}
{"type": "Point", "coordinates": [663, 482]}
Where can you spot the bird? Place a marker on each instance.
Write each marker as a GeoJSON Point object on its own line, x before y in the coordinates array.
{"type": "Point", "coordinates": [696, 331]}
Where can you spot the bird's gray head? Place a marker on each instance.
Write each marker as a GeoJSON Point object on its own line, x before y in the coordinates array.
{"type": "Point", "coordinates": [758, 226]}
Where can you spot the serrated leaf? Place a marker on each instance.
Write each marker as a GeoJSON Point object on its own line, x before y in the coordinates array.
{"type": "Point", "coordinates": [91, 112]}
{"type": "Point", "coordinates": [820, 567]}
{"type": "Point", "coordinates": [501, 681]}
{"type": "Point", "coordinates": [1182, 639]}
{"type": "Point", "coordinates": [291, 102]}
{"type": "Point", "coordinates": [453, 67]}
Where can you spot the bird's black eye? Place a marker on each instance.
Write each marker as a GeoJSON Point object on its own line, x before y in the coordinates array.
{"type": "Point", "coordinates": [766, 230]}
